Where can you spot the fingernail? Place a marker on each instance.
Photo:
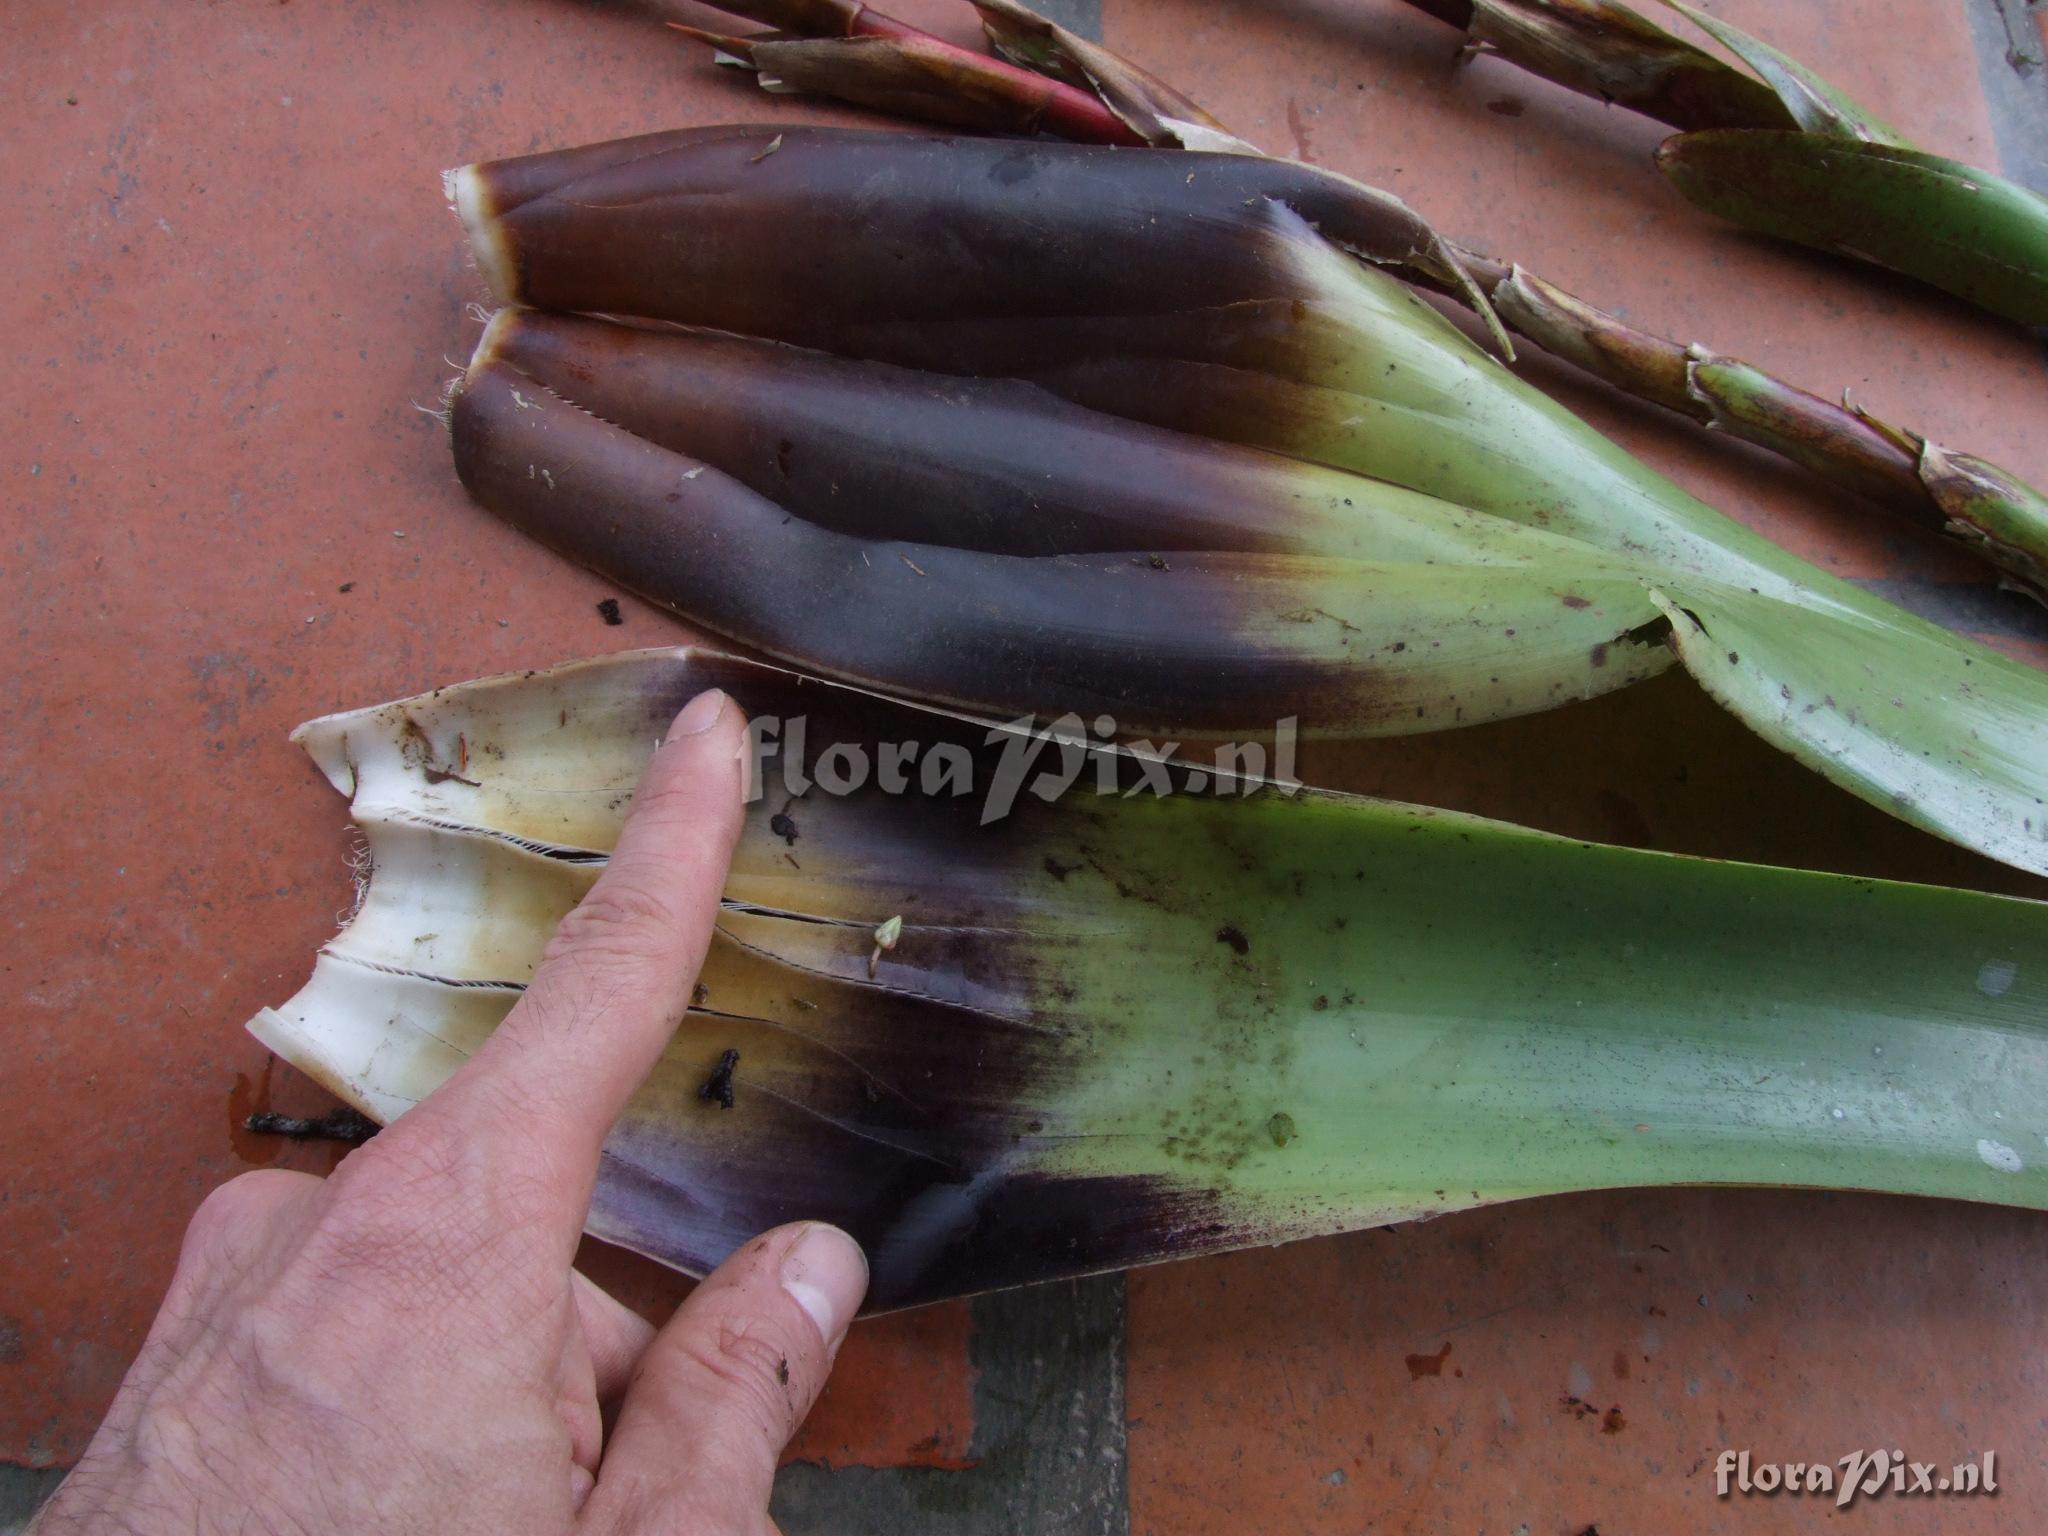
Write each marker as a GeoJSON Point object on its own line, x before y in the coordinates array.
{"type": "Point", "coordinates": [826, 1274]}
{"type": "Point", "coordinates": [698, 714]}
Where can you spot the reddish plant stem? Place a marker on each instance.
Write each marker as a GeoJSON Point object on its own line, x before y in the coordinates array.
{"type": "Point", "coordinates": [1855, 451]}
{"type": "Point", "coordinates": [1062, 109]}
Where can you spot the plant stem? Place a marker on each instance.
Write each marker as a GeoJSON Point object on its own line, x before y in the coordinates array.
{"type": "Point", "coordinates": [1608, 52]}
{"type": "Point", "coordinates": [1021, 99]}
{"type": "Point", "coordinates": [2000, 517]}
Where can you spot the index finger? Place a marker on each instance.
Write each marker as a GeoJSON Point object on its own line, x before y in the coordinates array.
{"type": "Point", "coordinates": [541, 1093]}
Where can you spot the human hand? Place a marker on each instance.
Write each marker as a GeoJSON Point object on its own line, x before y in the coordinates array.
{"type": "Point", "coordinates": [404, 1346]}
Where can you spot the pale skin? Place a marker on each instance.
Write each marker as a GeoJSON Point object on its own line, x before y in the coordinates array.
{"type": "Point", "coordinates": [406, 1347]}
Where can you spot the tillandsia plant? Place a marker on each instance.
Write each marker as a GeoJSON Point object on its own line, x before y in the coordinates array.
{"type": "Point", "coordinates": [1049, 79]}
{"type": "Point", "coordinates": [1032, 428]}
{"type": "Point", "coordinates": [923, 1022]}
{"type": "Point", "coordinates": [1781, 150]}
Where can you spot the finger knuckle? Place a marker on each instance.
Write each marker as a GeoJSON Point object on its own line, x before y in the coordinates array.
{"type": "Point", "coordinates": [622, 916]}
{"type": "Point", "coordinates": [227, 1207]}
{"type": "Point", "coordinates": [401, 1187]}
{"type": "Point", "coordinates": [415, 1156]}
{"type": "Point", "coordinates": [426, 1199]}
{"type": "Point", "coordinates": [752, 1368]}
{"type": "Point", "coordinates": [232, 1211]}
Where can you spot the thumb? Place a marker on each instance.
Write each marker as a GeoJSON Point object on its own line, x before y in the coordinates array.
{"type": "Point", "coordinates": [723, 1387]}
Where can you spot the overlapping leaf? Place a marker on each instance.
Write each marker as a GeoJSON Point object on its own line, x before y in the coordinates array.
{"type": "Point", "coordinates": [1219, 297]}
{"type": "Point", "coordinates": [1347, 1012]}
{"type": "Point", "coordinates": [1813, 103]}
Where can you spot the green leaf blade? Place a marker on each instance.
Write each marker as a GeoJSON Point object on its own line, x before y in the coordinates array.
{"type": "Point", "coordinates": [1962, 229]}
{"type": "Point", "coordinates": [1817, 106]}
{"type": "Point", "coordinates": [1347, 1012]}
{"type": "Point", "coordinates": [1943, 734]}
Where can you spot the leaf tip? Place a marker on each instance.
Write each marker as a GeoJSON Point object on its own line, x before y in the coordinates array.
{"type": "Point", "coordinates": [469, 198]}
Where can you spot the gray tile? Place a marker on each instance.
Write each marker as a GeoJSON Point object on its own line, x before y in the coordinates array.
{"type": "Point", "coordinates": [1048, 1444]}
